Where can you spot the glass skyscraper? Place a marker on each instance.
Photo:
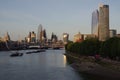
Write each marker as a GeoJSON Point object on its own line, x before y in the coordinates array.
{"type": "Point", "coordinates": [100, 23]}
{"type": "Point", "coordinates": [95, 17]}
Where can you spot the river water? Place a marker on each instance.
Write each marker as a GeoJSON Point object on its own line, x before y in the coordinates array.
{"type": "Point", "coordinates": [49, 65]}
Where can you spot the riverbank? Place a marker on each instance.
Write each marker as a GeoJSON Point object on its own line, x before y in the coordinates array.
{"type": "Point", "coordinates": [104, 69]}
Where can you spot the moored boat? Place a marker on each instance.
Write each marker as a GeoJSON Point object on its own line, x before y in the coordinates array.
{"type": "Point", "coordinates": [16, 54]}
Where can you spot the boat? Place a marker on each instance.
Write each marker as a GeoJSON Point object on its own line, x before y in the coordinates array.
{"type": "Point", "coordinates": [29, 52]}
{"type": "Point", "coordinates": [56, 47]}
{"type": "Point", "coordinates": [16, 54]}
{"type": "Point", "coordinates": [13, 54]}
{"type": "Point", "coordinates": [37, 51]}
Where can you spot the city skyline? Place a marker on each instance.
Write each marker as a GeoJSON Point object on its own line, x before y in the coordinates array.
{"type": "Point", "coordinates": [19, 17]}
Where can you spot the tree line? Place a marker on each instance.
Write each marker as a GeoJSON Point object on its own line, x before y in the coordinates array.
{"type": "Point", "coordinates": [92, 46]}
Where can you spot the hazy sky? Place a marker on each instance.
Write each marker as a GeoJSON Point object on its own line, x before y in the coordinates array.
{"type": "Point", "coordinates": [18, 17]}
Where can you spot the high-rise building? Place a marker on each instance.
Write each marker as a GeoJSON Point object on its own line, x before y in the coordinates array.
{"type": "Point", "coordinates": [44, 36]}
{"type": "Point", "coordinates": [103, 24]}
{"type": "Point", "coordinates": [65, 38]}
{"type": "Point", "coordinates": [33, 37]}
{"type": "Point", "coordinates": [7, 37]}
{"type": "Point", "coordinates": [29, 37]}
{"type": "Point", "coordinates": [95, 18]}
{"type": "Point", "coordinates": [54, 38]}
{"type": "Point", "coordinates": [39, 35]}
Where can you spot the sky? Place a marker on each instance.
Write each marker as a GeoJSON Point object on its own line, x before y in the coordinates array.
{"type": "Point", "coordinates": [19, 17]}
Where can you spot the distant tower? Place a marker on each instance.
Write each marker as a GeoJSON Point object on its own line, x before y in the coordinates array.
{"type": "Point", "coordinates": [29, 37]}
{"type": "Point", "coordinates": [39, 35]}
{"type": "Point", "coordinates": [95, 18]}
{"type": "Point", "coordinates": [103, 22]}
{"type": "Point", "coordinates": [65, 37]}
{"type": "Point", "coordinates": [44, 36]}
{"type": "Point", "coordinates": [33, 37]}
{"type": "Point", "coordinates": [54, 37]}
{"type": "Point", "coordinates": [7, 37]}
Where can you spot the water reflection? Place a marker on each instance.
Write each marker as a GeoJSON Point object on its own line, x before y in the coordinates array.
{"type": "Point", "coordinates": [64, 60]}
{"type": "Point", "coordinates": [55, 60]}
{"type": "Point", "coordinates": [49, 65]}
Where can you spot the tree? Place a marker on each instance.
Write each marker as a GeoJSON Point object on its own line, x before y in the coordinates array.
{"type": "Point", "coordinates": [90, 46]}
{"type": "Point", "coordinates": [111, 48]}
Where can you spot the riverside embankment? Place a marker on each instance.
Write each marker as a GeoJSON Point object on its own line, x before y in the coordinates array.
{"type": "Point", "coordinates": [104, 69]}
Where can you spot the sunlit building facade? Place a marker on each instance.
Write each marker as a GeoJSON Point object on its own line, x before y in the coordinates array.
{"type": "Point", "coordinates": [103, 24]}
{"type": "Point", "coordinates": [65, 38]}
{"type": "Point", "coordinates": [39, 34]}
{"type": "Point", "coordinates": [7, 37]}
{"type": "Point", "coordinates": [78, 37]}
{"type": "Point", "coordinates": [33, 37]}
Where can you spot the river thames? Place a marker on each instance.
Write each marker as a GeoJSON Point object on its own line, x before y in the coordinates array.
{"type": "Point", "coordinates": [49, 65]}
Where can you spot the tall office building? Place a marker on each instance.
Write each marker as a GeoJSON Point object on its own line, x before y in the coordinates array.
{"type": "Point", "coordinates": [7, 37]}
{"type": "Point", "coordinates": [54, 38]}
{"type": "Point", "coordinates": [33, 37]}
{"type": "Point", "coordinates": [39, 35]}
{"type": "Point", "coordinates": [29, 37]}
{"type": "Point", "coordinates": [44, 34]}
{"type": "Point", "coordinates": [103, 24]}
{"type": "Point", "coordinates": [65, 38]}
{"type": "Point", "coordinates": [95, 18]}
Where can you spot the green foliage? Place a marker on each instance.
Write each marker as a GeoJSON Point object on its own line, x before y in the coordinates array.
{"type": "Point", "coordinates": [87, 47]}
{"type": "Point", "coordinates": [91, 46]}
{"type": "Point", "coordinates": [68, 46]}
{"type": "Point", "coordinates": [111, 48]}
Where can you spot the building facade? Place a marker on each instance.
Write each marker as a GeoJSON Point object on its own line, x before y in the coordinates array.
{"type": "Point", "coordinates": [113, 33]}
{"type": "Point", "coordinates": [103, 24]}
{"type": "Point", "coordinates": [65, 38]}
{"type": "Point", "coordinates": [39, 34]}
{"type": "Point", "coordinates": [7, 37]}
{"type": "Point", "coordinates": [33, 37]}
{"type": "Point", "coordinates": [95, 18]}
{"type": "Point", "coordinates": [78, 37]}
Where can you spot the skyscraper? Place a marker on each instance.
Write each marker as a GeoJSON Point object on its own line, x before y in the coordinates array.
{"type": "Point", "coordinates": [44, 35]}
{"type": "Point", "coordinates": [65, 37]}
{"type": "Point", "coordinates": [54, 38]}
{"type": "Point", "coordinates": [103, 24]}
{"type": "Point", "coordinates": [33, 37]}
{"type": "Point", "coordinates": [39, 35]}
{"type": "Point", "coordinates": [95, 18]}
{"type": "Point", "coordinates": [7, 37]}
